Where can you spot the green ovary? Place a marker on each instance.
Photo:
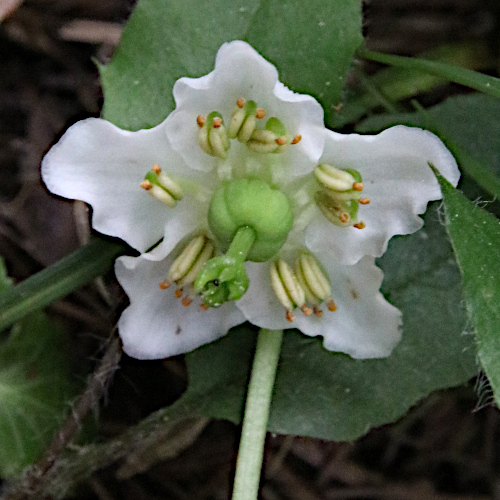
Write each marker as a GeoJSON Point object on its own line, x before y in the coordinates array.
{"type": "Point", "coordinates": [250, 221]}
{"type": "Point", "coordinates": [251, 203]}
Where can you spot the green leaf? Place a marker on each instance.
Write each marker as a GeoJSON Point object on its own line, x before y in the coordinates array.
{"type": "Point", "coordinates": [5, 281]}
{"type": "Point", "coordinates": [34, 391]}
{"type": "Point", "coordinates": [478, 81]}
{"type": "Point", "coordinates": [469, 126]}
{"type": "Point", "coordinates": [475, 236]}
{"type": "Point", "coordinates": [331, 396]}
{"type": "Point", "coordinates": [311, 43]}
{"type": "Point", "coordinates": [57, 280]}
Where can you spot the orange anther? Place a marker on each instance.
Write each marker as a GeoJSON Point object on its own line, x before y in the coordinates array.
{"type": "Point", "coordinates": [358, 186]}
{"type": "Point", "coordinates": [360, 225]}
{"type": "Point", "coordinates": [217, 122]}
{"type": "Point", "coordinates": [165, 284]}
{"type": "Point", "coordinates": [344, 217]}
{"type": "Point", "coordinates": [289, 316]}
{"type": "Point", "coordinates": [186, 301]}
{"type": "Point", "coordinates": [178, 293]}
{"type": "Point", "coordinates": [156, 168]}
{"type": "Point", "coordinates": [204, 307]}
{"type": "Point", "coordinates": [145, 184]}
{"type": "Point", "coordinates": [200, 120]}
{"type": "Point", "coordinates": [296, 139]}
{"type": "Point", "coordinates": [240, 102]}
{"type": "Point", "coordinates": [364, 201]}
{"type": "Point", "coordinates": [317, 312]}
{"type": "Point", "coordinates": [331, 305]}
{"type": "Point", "coordinates": [306, 310]}
{"type": "Point", "coordinates": [281, 141]}
{"type": "Point", "coordinates": [260, 113]}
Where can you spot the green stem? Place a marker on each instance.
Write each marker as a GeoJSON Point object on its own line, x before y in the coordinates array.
{"type": "Point", "coordinates": [253, 435]}
{"type": "Point", "coordinates": [57, 280]}
{"type": "Point", "coordinates": [242, 243]}
{"type": "Point", "coordinates": [478, 81]}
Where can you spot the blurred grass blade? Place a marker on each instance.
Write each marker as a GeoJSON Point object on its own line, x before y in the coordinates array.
{"type": "Point", "coordinates": [475, 236]}
{"type": "Point", "coordinates": [57, 280]}
{"type": "Point", "coordinates": [398, 84]}
{"type": "Point", "coordinates": [473, 79]}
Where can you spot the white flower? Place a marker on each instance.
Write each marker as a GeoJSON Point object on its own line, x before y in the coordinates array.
{"type": "Point", "coordinates": [396, 174]}
{"type": "Point", "coordinates": [245, 166]}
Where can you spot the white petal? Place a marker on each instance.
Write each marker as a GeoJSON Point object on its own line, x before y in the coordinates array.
{"type": "Point", "coordinates": [396, 176]}
{"type": "Point", "coordinates": [364, 325]}
{"type": "Point", "coordinates": [240, 71]}
{"type": "Point", "coordinates": [103, 165]}
{"type": "Point", "coordinates": [156, 325]}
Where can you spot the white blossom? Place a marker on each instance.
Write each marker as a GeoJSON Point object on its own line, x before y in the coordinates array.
{"type": "Point", "coordinates": [347, 196]}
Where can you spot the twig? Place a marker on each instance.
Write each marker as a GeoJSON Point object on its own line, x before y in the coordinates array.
{"type": "Point", "coordinates": [8, 7]}
{"type": "Point", "coordinates": [96, 387]}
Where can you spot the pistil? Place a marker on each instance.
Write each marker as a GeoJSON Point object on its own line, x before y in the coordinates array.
{"type": "Point", "coordinates": [224, 278]}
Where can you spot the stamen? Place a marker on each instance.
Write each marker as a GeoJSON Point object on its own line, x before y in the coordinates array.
{"type": "Point", "coordinates": [273, 139]}
{"type": "Point", "coordinates": [201, 120]}
{"type": "Point", "coordinates": [331, 305]}
{"type": "Point", "coordinates": [263, 141]}
{"type": "Point", "coordinates": [338, 211]}
{"type": "Point", "coordinates": [260, 113]}
{"type": "Point", "coordinates": [165, 284]}
{"type": "Point", "coordinates": [317, 312]}
{"type": "Point", "coordinates": [286, 286]}
{"type": "Point", "coordinates": [289, 316]}
{"type": "Point", "coordinates": [344, 217]}
{"type": "Point", "coordinates": [357, 186]}
{"type": "Point", "coordinates": [306, 310]}
{"type": "Point", "coordinates": [178, 293]}
{"type": "Point", "coordinates": [296, 139]}
{"type": "Point", "coordinates": [203, 257]}
{"type": "Point", "coordinates": [364, 201]}
{"type": "Point", "coordinates": [247, 128]}
{"type": "Point", "coordinates": [187, 265]}
{"type": "Point", "coordinates": [162, 187]}
{"type": "Point", "coordinates": [213, 137]}
{"type": "Point", "coordinates": [312, 278]}
{"type": "Point", "coordinates": [314, 281]}
{"type": "Point", "coordinates": [334, 178]}
{"type": "Point", "coordinates": [186, 301]}
{"type": "Point", "coordinates": [359, 225]}
{"type": "Point", "coordinates": [243, 120]}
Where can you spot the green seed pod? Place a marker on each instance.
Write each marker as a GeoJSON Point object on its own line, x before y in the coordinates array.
{"type": "Point", "coordinates": [252, 203]}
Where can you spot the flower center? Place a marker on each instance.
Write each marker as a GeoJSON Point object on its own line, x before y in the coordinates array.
{"type": "Point", "coordinates": [249, 219]}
